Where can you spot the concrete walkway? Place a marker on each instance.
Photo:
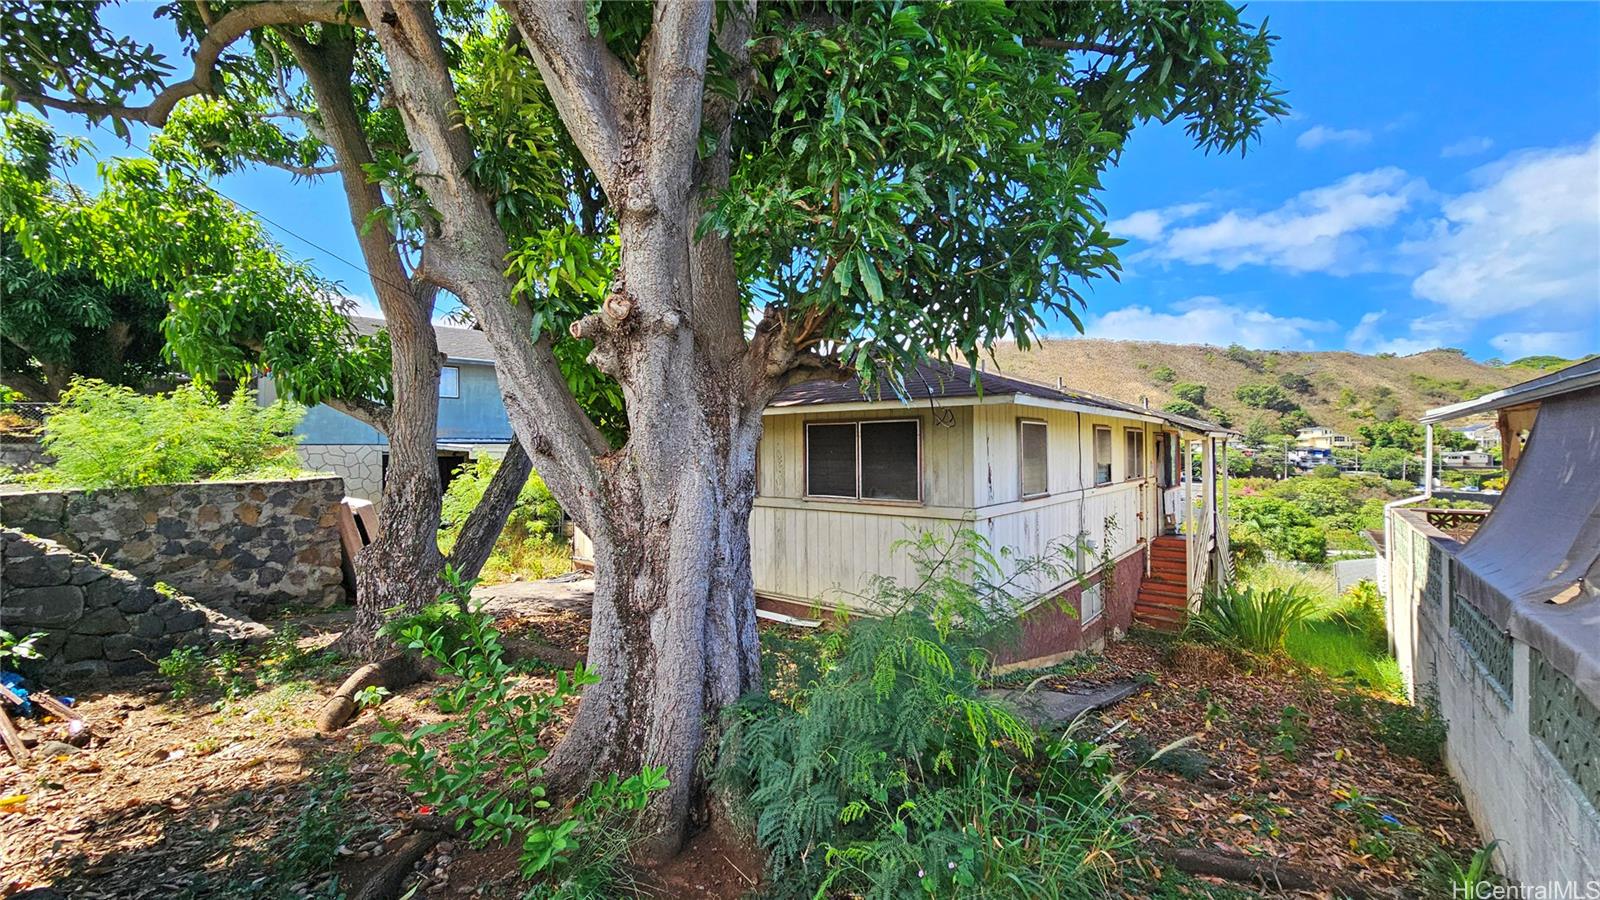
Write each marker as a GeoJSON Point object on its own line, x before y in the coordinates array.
{"type": "Point", "coordinates": [570, 593]}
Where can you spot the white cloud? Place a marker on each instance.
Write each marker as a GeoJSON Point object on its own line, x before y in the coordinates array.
{"type": "Point", "coordinates": [1422, 333]}
{"type": "Point", "coordinates": [1518, 344]}
{"type": "Point", "coordinates": [1467, 147]}
{"type": "Point", "coordinates": [1321, 135]}
{"type": "Point", "coordinates": [1316, 230]}
{"type": "Point", "coordinates": [1149, 224]}
{"type": "Point", "coordinates": [1207, 320]}
{"type": "Point", "coordinates": [1527, 240]}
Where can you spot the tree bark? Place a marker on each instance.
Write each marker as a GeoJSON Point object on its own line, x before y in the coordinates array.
{"type": "Point", "coordinates": [484, 524]}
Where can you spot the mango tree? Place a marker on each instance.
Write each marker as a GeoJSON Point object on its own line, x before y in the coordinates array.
{"type": "Point", "coordinates": [795, 190]}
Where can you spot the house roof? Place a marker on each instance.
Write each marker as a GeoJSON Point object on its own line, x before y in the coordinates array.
{"type": "Point", "coordinates": [1575, 377]}
{"type": "Point", "coordinates": [456, 343]}
{"type": "Point", "coordinates": [948, 381]}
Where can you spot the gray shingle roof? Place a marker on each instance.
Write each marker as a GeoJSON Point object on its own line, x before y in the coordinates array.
{"type": "Point", "coordinates": [948, 380]}
{"type": "Point", "coordinates": [454, 342]}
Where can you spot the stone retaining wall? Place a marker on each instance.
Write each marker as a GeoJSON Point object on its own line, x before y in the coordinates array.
{"type": "Point", "coordinates": [96, 619]}
{"type": "Point", "coordinates": [255, 544]}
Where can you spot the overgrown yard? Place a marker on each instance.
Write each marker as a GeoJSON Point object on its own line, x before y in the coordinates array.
{"type": "Point", "coordinates": [210, 781]}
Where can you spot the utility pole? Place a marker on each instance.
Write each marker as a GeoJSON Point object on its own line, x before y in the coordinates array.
{"type": "Point", "coordinates": [1285, 457]}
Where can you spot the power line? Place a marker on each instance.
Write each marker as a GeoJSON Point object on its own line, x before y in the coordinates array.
{"type": "Point", "coordinates": [263, 217]}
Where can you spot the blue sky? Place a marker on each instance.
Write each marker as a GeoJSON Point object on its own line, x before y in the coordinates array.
{"type": "Point", "coordinates": [1438, 184]}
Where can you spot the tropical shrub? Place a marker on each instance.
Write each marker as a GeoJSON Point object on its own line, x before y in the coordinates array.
{"type": "Point", "coordinates": [1256, 619]}
{"type": "Point", "coordinates": [488, 779]}
{"type": "Point", "coordinates": [1190, 391]}
{"type": "Point", "coordinates": [1182, 408]}
{"type": "Point", "coordinates": [876, 768]}
{"type": "Point", "coordinates": [1282, 526]}
{"type": "Point", "coordinates": [103, 436]}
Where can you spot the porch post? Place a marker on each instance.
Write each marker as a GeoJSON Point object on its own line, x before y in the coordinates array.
{"type": "Point", "coordinates": [1188, 521]}
{"type": "Point", "coordinates": [1427, 463]}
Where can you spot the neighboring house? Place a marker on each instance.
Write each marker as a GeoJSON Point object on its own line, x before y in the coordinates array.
{"type": "Point", "coordinates": [1319, 438]}
{"type": "Point", "coordinates": [1501, 625]}
{"type": "Point", "coordinates": [1466, 459]}
{"type": "Point", "coordinates": [1485, 434]}
{"type": "Point", "coordinates": [472, 417]}
{"type": "Point", "coordinates": [841, 478]}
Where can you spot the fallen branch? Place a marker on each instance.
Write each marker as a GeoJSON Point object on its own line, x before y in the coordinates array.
{"type": "Point", "coordinates": [1264, 871]}
{"type": "Point", "coordinates": [393, 673]}
{"type": "Point", "coordinates": [386, 882]}
{"type": "Point", "coordinates": [12, 738]}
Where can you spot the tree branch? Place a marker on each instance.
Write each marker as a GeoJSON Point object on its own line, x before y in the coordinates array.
{"type": "Point", "coordinates": [229, 28]}
{"type": "Point", "coordinates": [364, 411]}
{"type": "Point", "coordinates": [468, 259]}
{"type": "Point", "coordinates": [585, 79]}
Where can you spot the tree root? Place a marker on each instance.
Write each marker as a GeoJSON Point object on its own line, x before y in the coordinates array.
{"type": "Point", "coordinates": [393, 673]}
{"type": "Point", "coordinates": [1266, 872]}
{"type": "Point", "coordinates": [386, 882]}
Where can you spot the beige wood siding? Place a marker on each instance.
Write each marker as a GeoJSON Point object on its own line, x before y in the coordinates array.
{"type": "Point", "coordinates": [804, 549]}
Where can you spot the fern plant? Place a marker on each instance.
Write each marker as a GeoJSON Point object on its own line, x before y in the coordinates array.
{"type": "Point", "coordinates": [878, 769]}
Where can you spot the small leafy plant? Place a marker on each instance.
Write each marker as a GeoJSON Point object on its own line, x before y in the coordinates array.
{"type": "Point", "coordinates": [1251, 618]}
{"type": "Point", "coordinates": [186, 669]}
{"type": "Point", "coordinates": [1291, 732]}
{"type": "Point", "coordinates": [488, 778]}
{"type": "Point", "coordinates": [13, 648]}
{"type": "Point", "coordinates": [1414, 730]}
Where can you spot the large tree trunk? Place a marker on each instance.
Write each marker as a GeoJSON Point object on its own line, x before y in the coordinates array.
{"type": "Point", "coordinates": [400, 569]}
{"type": "Point", "coordinates": [673, 631]}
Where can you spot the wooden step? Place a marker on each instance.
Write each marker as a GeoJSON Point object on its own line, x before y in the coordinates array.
{"type": "Point", "coordinates": [1167, 588]}
{"type": "Point", "coordinates": [1160, 620]}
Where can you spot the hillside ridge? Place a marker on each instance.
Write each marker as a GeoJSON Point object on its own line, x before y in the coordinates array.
{"type": "Point", "coordinates": [1340, 389]}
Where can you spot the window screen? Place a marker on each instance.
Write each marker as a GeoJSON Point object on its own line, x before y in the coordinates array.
{"type": "Point", "coordinates": [889, 461]}
{"type": "Point", "coordinates": [1134, 441]}
{"type": "Point", "coordinates": [831, 460]}
{"type": "Point", "coordinates": [1033, 438]}
{"type": "Point", "coordinates": [449, 381]}
{"type": "Point", "coordinates": [1102, 455]}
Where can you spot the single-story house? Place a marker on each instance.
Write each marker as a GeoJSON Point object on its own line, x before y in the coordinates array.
{"type": "Point", "coordinates": [842, 476]}
{"type": "Point", "coordinates": [1466, 459]}
{"type": "Point", "coordinates": [472, 417]}
{"type": "Point", "coordinates": [1485, 434]}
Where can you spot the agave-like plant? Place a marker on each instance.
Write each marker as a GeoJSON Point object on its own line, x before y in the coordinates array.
{"type": "Point", "coordinates": [1254, 619]}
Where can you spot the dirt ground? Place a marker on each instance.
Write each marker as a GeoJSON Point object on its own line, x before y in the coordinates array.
{"type": "Point", "coordinates": [207, 796]}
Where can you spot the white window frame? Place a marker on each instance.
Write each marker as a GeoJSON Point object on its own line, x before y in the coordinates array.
{"type": "Point", "coordinates": [1022, 425]}
{"type": "Point", "coordinates": [805, 473]}
{"type": "Point", "coordinates": [1134, 473]}
{"type": "Point", "coordinates": [456, 395]}
{"type": "Point", "coordinates": [1096, 592]}
{"type": "Point", "coordinates": [1094, 459]}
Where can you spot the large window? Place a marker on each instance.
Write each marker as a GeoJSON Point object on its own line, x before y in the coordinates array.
{"type": "Point", "coordinates": [1034, 457]}
{"type": "Point", "coordinates": [1102, 455]}
{"type": "Point", "coordinates": [1133, 440]}
{"type": "Point", "coordinates": [872, 460]}
{"type": "Point", "coordinates": [450, 381]}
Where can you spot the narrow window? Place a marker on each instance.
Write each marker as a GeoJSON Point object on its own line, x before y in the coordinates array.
{"type": "Point", "coordinates": [889, 464]}
{"type": "Point", "coordinates": [877, 460]}
{"type": "Point", "coordinates": [831, 460]}
{"type": "Point", "coordinates": [1102, 455]}
{"type": "Point", "coordinates": [1033, 439]}
{"type": "Point", "coordinates": [450, 381]}
{"type": "Point", "coordinates": [1134, 441]}
{"type": "Point", "coordinates": [1092, 603]}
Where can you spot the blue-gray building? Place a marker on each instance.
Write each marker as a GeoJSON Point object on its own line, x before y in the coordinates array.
{"type": "Point", "coordinates": [472, 417]}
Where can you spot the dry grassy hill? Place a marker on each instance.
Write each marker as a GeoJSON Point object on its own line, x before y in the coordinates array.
{"type": "Point", "coordinates": [1338, 389]}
